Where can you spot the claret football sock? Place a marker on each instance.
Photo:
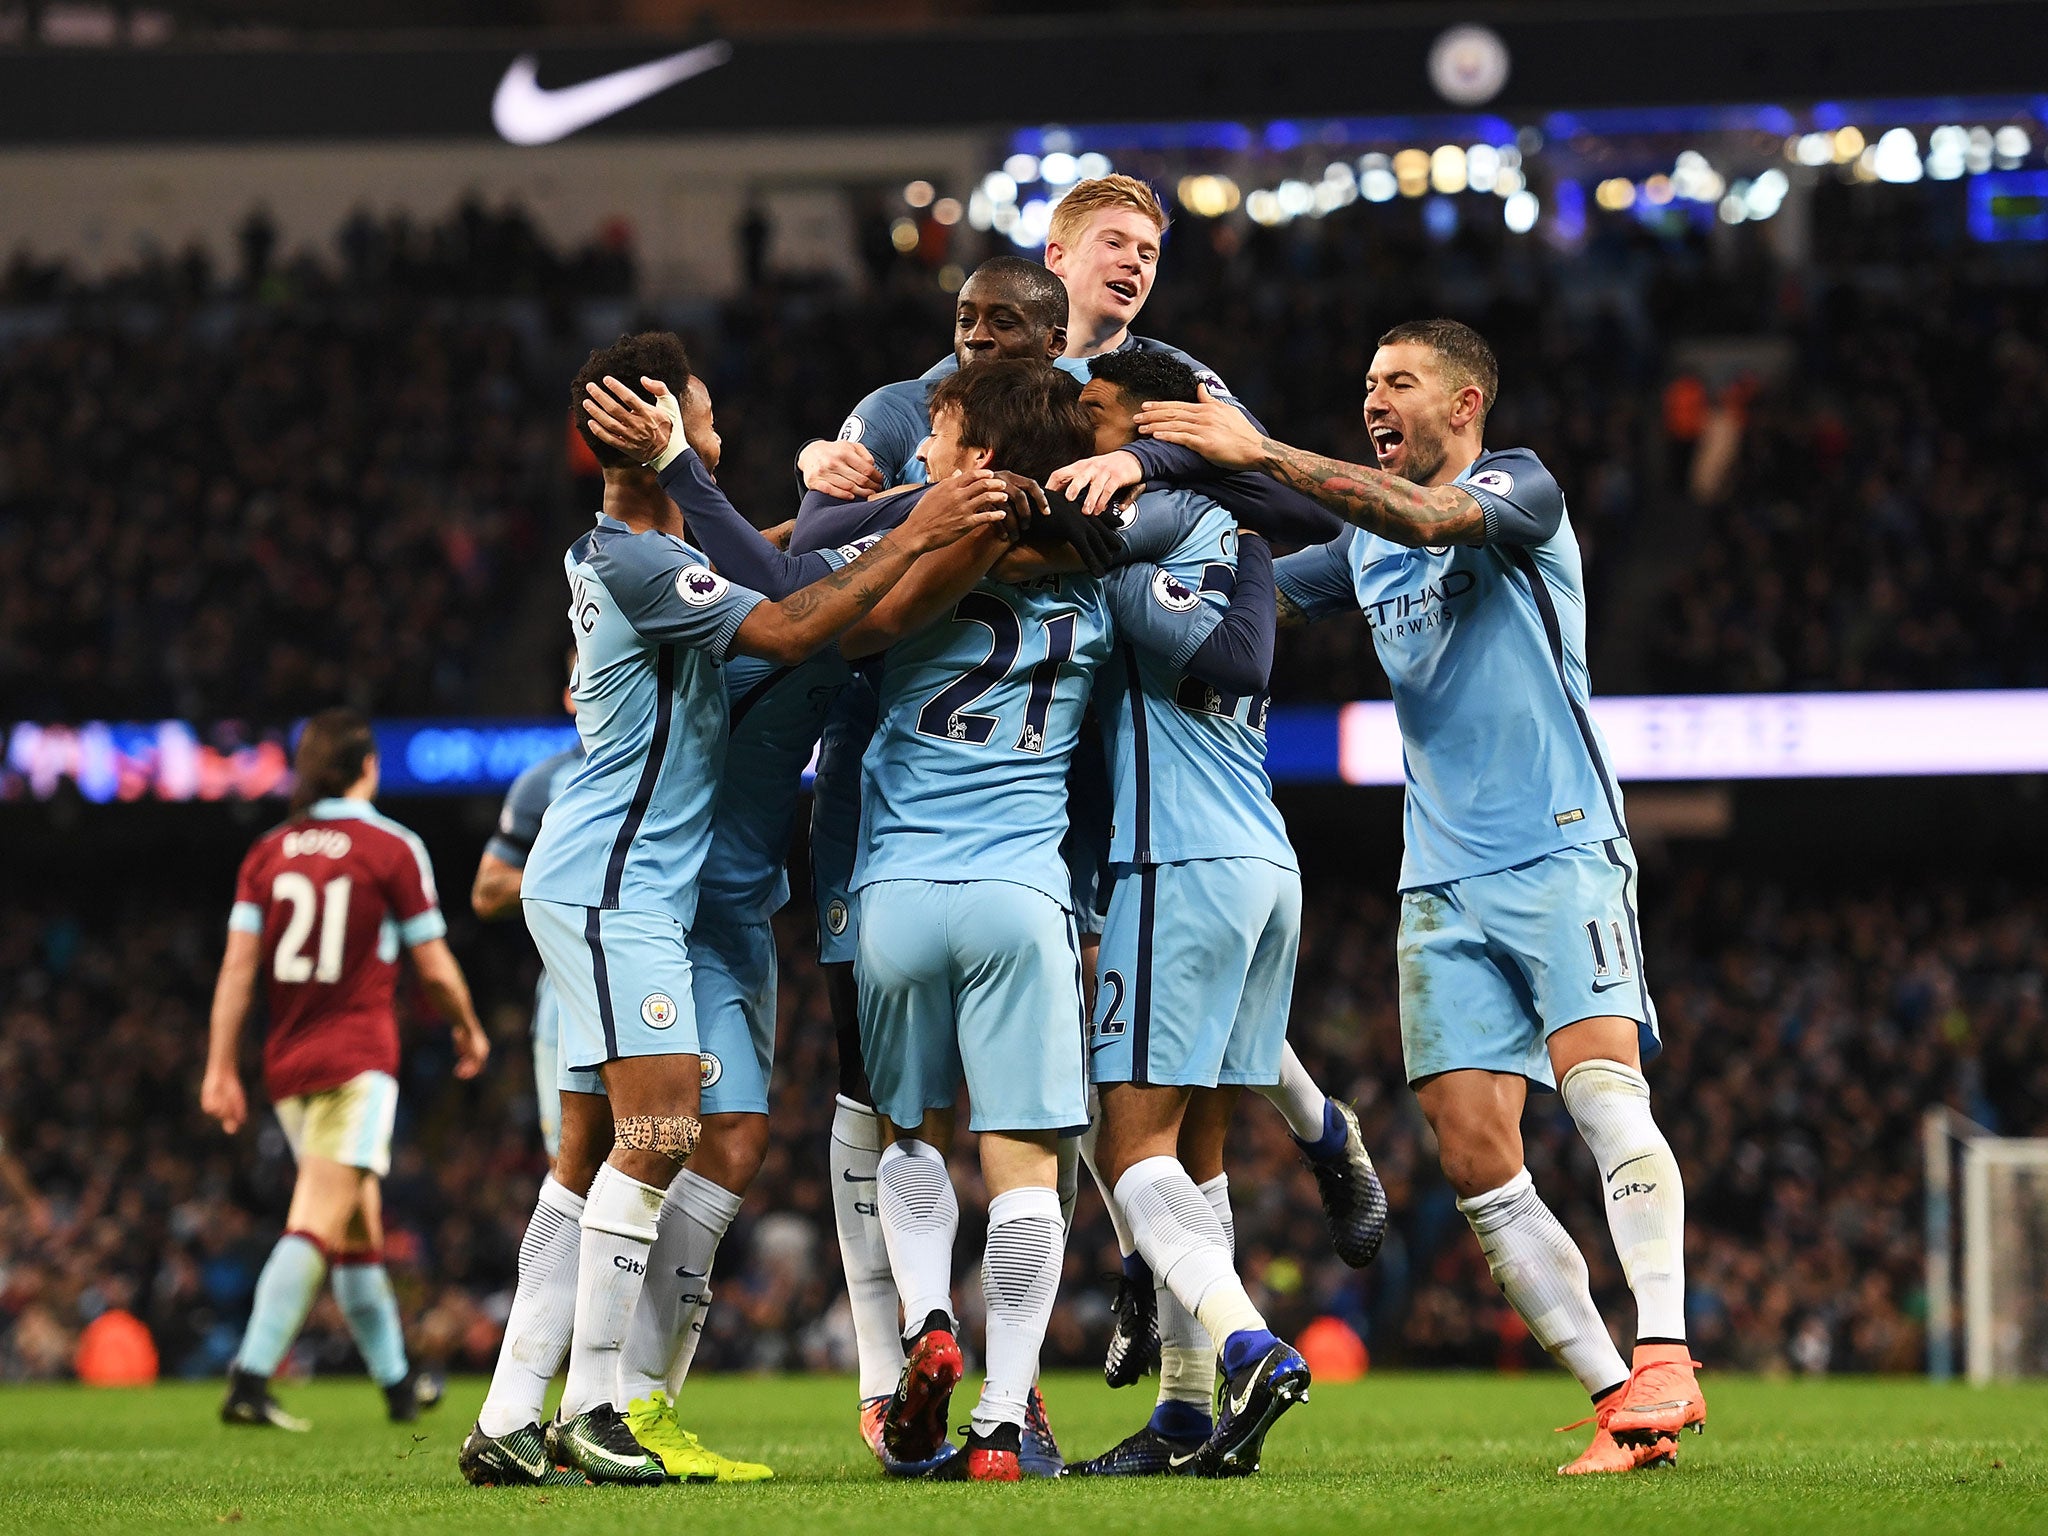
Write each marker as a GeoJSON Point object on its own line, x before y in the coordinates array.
{"type": "Point", "coordinates": [863, 1251]}
{"type": "Point", "coordinates": [285, 1293]}
{"type": "Point", "coordinates": [619, 1226]}
{"type": "Point", "coordinates": [1300, 1101]}
{"type": "Point", "coordinates": [920, 1218]}
{"type": "Point", "coordinates": [662, 1338]}
{"type": "Point", "coordinates": [1178, 1233]}
{"type": "Point", "coordinates": [543, 1313]}
{"type": "Point", "coordinates": [1543, 1275]}
{"type": "Point", "coordinates": [1020, 1274]}
{"type": "Point", "coordinates": [363, 1291]}
{"type": "Point", "coordinates": [1645, 1194]}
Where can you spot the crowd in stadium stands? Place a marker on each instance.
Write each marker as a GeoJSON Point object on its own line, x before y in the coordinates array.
{"type": "Point", "coordinates": [1806, 1029]}
{"type": "Point", "coordinates": [256, 492]}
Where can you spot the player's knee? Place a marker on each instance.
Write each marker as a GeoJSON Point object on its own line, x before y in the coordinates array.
{"type": "Point", "coordinates": [731, 1151]}
{"type": "Point", "coordinates": [1477, 1157]}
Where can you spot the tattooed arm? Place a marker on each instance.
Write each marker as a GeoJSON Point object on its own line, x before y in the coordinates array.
{"type": "Point", "coordinates": [1397, 510]}
{"type": "Point", "coordinates": [810, 617]}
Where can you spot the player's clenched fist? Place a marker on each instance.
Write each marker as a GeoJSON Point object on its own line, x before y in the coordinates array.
{"type": "Point", "coordinates": [955, 507]}
{"type": "Point", "coordinates": [1218, 432]}
{"type": "Point", "coordinates": [844, 470]}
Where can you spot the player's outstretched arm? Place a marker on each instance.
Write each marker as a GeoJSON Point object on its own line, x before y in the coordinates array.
{"type": "Point", "coordinates": [220, 1091]}
{"type": "Point", "coordinates": [789, 631]}
{"type": "Point", "coordinates": [448, 990]}
{"type": "Point", "coordinates": [1397, 510]}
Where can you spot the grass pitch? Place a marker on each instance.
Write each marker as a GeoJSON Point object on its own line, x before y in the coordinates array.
{"type": "Point", "coordinates": [1406, 1454]}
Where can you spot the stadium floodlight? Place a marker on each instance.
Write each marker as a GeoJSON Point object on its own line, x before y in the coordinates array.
{"type": "Point", "coordinates": [1263, 207]}
{"type": "Point", "coordinates": [1520, 212]}
{"type": "Point", "coordinates": [1977, 157]}
{"type": "Point", "coordinates": [2011, 144]}
{"type": "Point", "coordinates": [1000, 187]}
{"type": "Point", "coordinates": [1411, 171]}
{"type": "Point", "coordinates": [1766, 195]}
{"type": "Point", "coordinates": [1296, 198]}
{"type": "Point", "coordinates": [903, 235]}
{"type": "Point", "coordinates": [1897, 157]}
{"type": "Point", "coordinates": [919, 194]}
{"type": "Point", "coordinates": [1447, 169]}
{"type": "Point", "coordinates": [1092, 165]}
{"type": "Point", "coordinates": [1376, 181]}
{"type": "Point", "coordinates": [946, 211]}
{"type": "Point", "coordinates": [1021, 168]}
{"type": "Point", "coordinates": [1034, 220]}
{"type": "Point", "coordinates": [1848, 143]}
{"type": "Point", "coordinates": [1946, 148]}
{"type": "Point", "coordinates": [1509, 181]}
{"type": "Point", "coordinates": [1059, 169]}
{"type": "Point", "coordinates": [981, 210]}
{"type": "Point", "coordinates": [1733, 209]}
{"type": "Point", "coordinates": [1815, 149]}
{"type": "Point", "coordinates": [1615, 194]}
{"type": "Point", "coordinates": [2004, 1243]}
{"type": "Point", "coordinates": [1482, 166]}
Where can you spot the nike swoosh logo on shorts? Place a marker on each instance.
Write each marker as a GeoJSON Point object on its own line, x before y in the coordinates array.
{"type": "Point", "coordinates": [524, 112]}
{"type": "Point", "coordinates": [1609, 986]}
{"type": "Point", "coordinates": [856, 1178]}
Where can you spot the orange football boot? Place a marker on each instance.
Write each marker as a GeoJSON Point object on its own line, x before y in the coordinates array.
{"type": "Point", "coordinates": [1660, 1397]}
{"type": "Point", "coordinates": [1606, 1454]}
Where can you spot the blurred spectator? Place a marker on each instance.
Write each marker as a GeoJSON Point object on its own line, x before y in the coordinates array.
{"type": "Point", "coordinates": [1806, 1033]}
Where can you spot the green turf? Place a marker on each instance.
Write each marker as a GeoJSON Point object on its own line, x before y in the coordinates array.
{"type": "Point", "coordinates": [1469, 1455]}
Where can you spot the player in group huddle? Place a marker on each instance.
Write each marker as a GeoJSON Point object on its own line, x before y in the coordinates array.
{"type": "Point", "coordinates": [610, 892]}
{"type": "Point", "coordinates": [1519, 951]}
{"type": "Point", "coordinates": [323, 905]}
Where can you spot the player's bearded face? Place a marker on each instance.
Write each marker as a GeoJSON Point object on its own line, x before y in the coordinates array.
{"type": "Point", "coordinates": [943, 453]}
{"type": "Point", "coordinates": [1407, 412]}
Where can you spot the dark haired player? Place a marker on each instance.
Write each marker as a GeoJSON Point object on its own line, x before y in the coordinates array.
{"type": "Point", "coordinates": [610, 888]}
{"type": "Point", "coordinates": [1519, 951]}
{"type": "Point", "coordinates": [323, 904]}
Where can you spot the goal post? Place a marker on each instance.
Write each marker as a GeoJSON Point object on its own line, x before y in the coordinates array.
{"type": "Point", "coordinates": [2000, 1226]}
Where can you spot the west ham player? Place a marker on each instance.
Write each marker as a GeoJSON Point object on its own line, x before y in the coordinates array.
{"type": "Point", "coordinates": [323, 905]}
{"type": "Point", "coordinates": [1520, 959]}
{"type": "Point", "coordinates": [494, 894]}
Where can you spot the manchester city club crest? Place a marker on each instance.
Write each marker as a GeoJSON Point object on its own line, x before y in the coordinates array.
{"type": "Point", "coordinates": [714, 1069]}
{"type": "Point", "coordinates": [658, 1011]}
{"type": "Point", "coordinates": [835, 916]}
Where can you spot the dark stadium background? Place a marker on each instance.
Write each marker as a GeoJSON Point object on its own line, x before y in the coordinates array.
{"type": "Point", "coordinates": [247, 481]}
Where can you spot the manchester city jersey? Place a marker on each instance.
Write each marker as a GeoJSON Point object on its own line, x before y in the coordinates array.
{"type": "Point", "coordinates": [1485, 649]}
{"type": "Point", "coordinates": [1188, 763]}
{"type": "Point", "coordinates": [966, 777]}
{"type": "Point", "coordinates": [892, 421]}
{"type": "Point", "coordinates": [652, 624]}
{"type": "Point", "coordinates": [775, 716]}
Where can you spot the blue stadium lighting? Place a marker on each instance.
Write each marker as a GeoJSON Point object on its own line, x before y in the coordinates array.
{"type": "Point", "coordinates": [2009, 206]}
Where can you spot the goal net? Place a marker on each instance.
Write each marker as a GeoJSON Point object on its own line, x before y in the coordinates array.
{"type": "Point", "coordinates": [2002, 1236]}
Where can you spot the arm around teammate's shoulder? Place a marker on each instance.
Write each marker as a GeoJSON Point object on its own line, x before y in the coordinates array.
{"type": "Point", "coordinates": [790, 631]}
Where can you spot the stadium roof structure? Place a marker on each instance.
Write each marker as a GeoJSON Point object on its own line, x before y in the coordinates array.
{"type": "Point", "coordinates": [1210, 65]}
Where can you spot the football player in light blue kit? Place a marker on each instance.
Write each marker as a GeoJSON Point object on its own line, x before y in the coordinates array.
{"type": "Point", "coordinates": [968, 960]}
{"type": "Point", "coordinates": [1519, 950]}
{"type": "Point", "coordinates": [495, 895]}
{"type": "Point", "coordinates": [610, 893]}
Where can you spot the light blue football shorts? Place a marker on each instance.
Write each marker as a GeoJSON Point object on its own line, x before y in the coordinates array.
{"type": "Point", "coordinates": [1492, 965]}
{"type": "Point", "coordinates": [835, 825]}
{"type": "Point", "coordinates": [621, 980]}
{"type": "Point", "coordinates": [1196, 973]}
{"type": "Point", "coordinates": [733, 975]}
{"type": "Point", "coordinates": [547, 1063]}
{"type": "Point", "coordinates": [978, 979]}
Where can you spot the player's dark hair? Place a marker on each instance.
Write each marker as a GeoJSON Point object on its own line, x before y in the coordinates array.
{"type": "Point", "coordinates": [1466, 357]}
{"type": "Point", "coordinates": [1141, 375]}
{"type": "Point", "coordinates": [652, 354]}
{"type": "Point", "coordinates": [1041, 296]}
{"type": "Point", "coordinates": [330, 756]}
{"type": "Point", "coordinates": [1026, 413]}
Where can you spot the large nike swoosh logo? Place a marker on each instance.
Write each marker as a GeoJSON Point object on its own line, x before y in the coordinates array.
{"type": "Point", "coordinates": [856, 1178]}
{"type": "Point", "coordinates": [1609, 986]}
{"type": "Point", "coordinates": [525, 113]}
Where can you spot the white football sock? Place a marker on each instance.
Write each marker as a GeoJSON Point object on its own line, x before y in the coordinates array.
{"type": "Point", "coordinates": [620, 1221]}
{"type": "Point", "coordinates": [1543, 1275]}
{"type": "Point", "coordinates": [863, 1251]}
{"type": "Point", "coordinates": [920, 1218]}
{"type": "Point", "coordinates": [1217, 1192]}
{"type": "Point", "coordinates": [543, 1313]}
{"type": "Point", "coordinates": [1187, 1355]}
{"type": "Point", "coordinates": [1296, 1096]}
{"type": "Point", "coordinates": [662, 1337]}
{"type": "Point", "coordinates": [1180, 1237]}
{"type": "Point", "coordinates": [1020, 1275]}
{"type": "Point", "coordinates": [1645, 1191]}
